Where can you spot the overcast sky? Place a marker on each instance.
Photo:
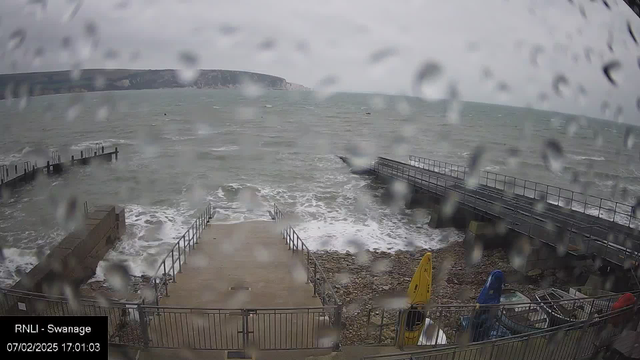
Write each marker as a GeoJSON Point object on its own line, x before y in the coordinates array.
{"type": "Point", "coordinates": [308, 41]}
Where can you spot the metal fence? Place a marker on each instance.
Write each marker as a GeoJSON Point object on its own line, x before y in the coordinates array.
{"type": "Point", "coordinates": [576, 340]}
{"type": "Point", "coordinates": [582, 238]}
{"type": "Point", "coordinates": [124, 317]}
{"type": "Point", "coordinates": [172, 262]}
{"type": "Point", "coordinates": [618, 212]}
{"type": "Point", "coordinates": [456, 324]}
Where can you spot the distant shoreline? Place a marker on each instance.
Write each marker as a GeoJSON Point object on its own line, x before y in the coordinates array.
{"type": "Point", "coordinates": [93, 80]}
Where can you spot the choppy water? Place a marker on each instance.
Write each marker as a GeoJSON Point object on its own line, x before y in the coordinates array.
{"type": "Point", "coordinates": [244, 154]}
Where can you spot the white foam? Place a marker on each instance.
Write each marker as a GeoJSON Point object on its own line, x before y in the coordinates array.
{"type": "Point", "coordinates": [14, 260]}
{"type": "Point", "coordinates": [577, 157]}
{"type": "Point", "coordinates": [104, 142]}
{"type": "Point", "coordinates": [225, 148]}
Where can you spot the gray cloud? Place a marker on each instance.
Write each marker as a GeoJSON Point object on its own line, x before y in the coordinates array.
{"type": "Point", "coordinates": [340, 37]}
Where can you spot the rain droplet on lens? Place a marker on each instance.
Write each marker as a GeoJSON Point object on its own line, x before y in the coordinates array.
{"type": "Point", "coordinates": [582, 94]}
{"type": "Point", "coordinates": [250, 88]}
{"type": "Point", "coordinates": [23, 96]}
{"type": "Point", "coordinates": [99, 82]}
{"type": "Point", "coordinates": [633, 36]}
{"type": "Point", "coordinates": [188, 71]}
{"type": "Point", "coordinates": [324, 87]}
{"type": "Point", "coordinates": [476, 253]}
{"type": "Point", "coordinates": [503, 90]}
{"type": "Point", "coordinates": [38, 55]}
{"type": "Point", "coordinates": [8, 93]}
{"type": "Point", "coordinates": [540, 203]}
{"type": "Point", "coordinates": [560, 85]}
{"type": "Point", "coordinates": [450, 205]}
{"type": "Point", "coordinates": [76, 71]}
{"type": "Point", "coordinates": [543, 99]}
{"type": "Point", "coordinates": [266, 49]}
{"type": "Point", "coordinates": [453, 104]}
{"type": "Point", "coordinates": [427, 82]}
{"type": "Point", "coordinates": [629, 138]}
{"type": "Point", "coordinates": [513, 157]}
{"type": "Point", "coordinates": [16, 39]}
{"type": "Point", "coordinates": [381, 55]}
{"type": "Point", "coordinates": [587, 54]}
{"type": "Point", "coordinates": [381, 266]}
{"type": "Point", "coordinates": [227, 30]}
{"type": "Point", "coordinates": [553, 155]}
{"type": "Point", "coordinates": [475, 167]}
{"type": "Point", "coordinates": [536, 50]}
{"type": "Point", "coordinates": [134, 56]}
{"type": "Point", "coordinates": [392, 301]}
{"type": "Point", "coordinates": [572, 126]}
{"type": "Point", "coordinates": [74, 108]}
{"type": "Point", "coordinates": [102, 113]}
{"type": "Point", "coordinates": [519, 253]}
{"type": "Point", "coordinates": [617, 114]}
{"type": "Point", "coordinates": [605, 108]}
{"type": "Point", "coordinates": [610, 70]}
{"type": "Point", "coordinates": [90, 29]}
{"type": "Point", "coordinates": [74, 7]}
{"type": "Point", "coordinates": [38, 7]}
{"type": "Point", "coordinates": [117, 275]}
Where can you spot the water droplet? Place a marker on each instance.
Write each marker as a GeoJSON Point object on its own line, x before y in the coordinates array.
{"type": "Point", "coordinates": [543, 100]}
{"type": "Point", "coordinates": [381, 266]}
{"type": "Point", "coordinates": [630, 30]}
{"type": "Point", "coordinates": [402, 106]}
{"type": "Point", "coordinates": [148, 294]}
{"type": "Point", "coordinates": [572, 126]}
{"type": "Point", "coordinates": [583, 12]}
{"type": "Point", "coordinates": [38, 55]}
{"type": "Point", "coordinates": [266, 49]}
{"type": "Point", "coordinates": [134, 56]}
{"type": "Point", "coordinates": [503, 90]}
{"type": "Point", "coordinates": [74, 7]}
{"type": "Point", "coordinates": [103, 301]}
{"type": "Point", "coordinates": [72, 296]}
{"type": "Point", "coordinates": [188, 72]}
{"type": "Point", "coordinates": [453, 104]}
{"type": "Point", "coordinates": [476, 253]}
{"type": "Point", "coordinates": [251, 89]}
{"type": "Point", "coordinates": [99, 82]}
{"type": "Point", "coordinates": [117, 275]}
{"type": "Point", "coordinates": [102, 113]}
{"type": "Point", "coordinates": [199, 260]}
{"type": "Point", "coordinates": [475, 167]}
{"type": "Point", "coordinates": [428, 82]}
{"type": "Point", "coordinates": [76, 71]}
{"type": "Point", "coordinates": [16, 39]}
{"type": "Point", "coordinates": [513, 157]}
{"type": "Point", "coordinates": [298, 271]}
{"type": "Point", "coordinates": [450, 205]}
{"type": "Point", "coordinates": [519, 253]}
{"type": "Point", "coordinates": [611, 70]}
{"type": "Point", "coordinates": [582, 94]}
{"type": "Point", "coordinates": [36, 7]}
{"type": "Point", "coordinates": [399, 190]}
{"type": "Point", "coordinates": [381, 55]}
{"type": "Point", "coordinates": [617, 114]}
{"type": "Point", "coordinates": [605, 108]}
{"type": "Point", "coordinates": [343, 278]}
{"type": "Point", "coordinates": [553, 155]}
{"type": "Point", "coordinates": [23, 96]}
{"type": "Point", "coordinates": [392, 301]}
{"type": "Point", "coordinates": [628, 138]}
{"type": "Point", "coordinates": [325, 87]}
{"type": "Point", "coordinates": [555, 339]}
{"type": "Point", "coordinates": [487, 74]}
{"type": "Point", "coordinates": [91, 30]}
{"type": "Point", "coordinates": [74, 108]}
{"type": "Point", "coordinates": [536, 50]}
{"type": "Point", "coordinates": [540, 203]}
{"type": "Point", "coordinates": [587, 54]}
{"type": "Point", "coordinates": [560, 85]}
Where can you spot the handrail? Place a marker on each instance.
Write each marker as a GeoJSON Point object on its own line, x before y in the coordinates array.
{"type": "Point", "coordinates": [295, 243]}
{"type": "Point", "coordinates": [538, 188]}
{"type": "Point", "coordinates": [473, 200]}
{"type": "Point", "coordinates": [189, 240]}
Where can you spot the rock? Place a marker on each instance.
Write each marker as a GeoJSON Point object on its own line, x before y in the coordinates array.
{"type": "Point", "coordinates": [534, 272]}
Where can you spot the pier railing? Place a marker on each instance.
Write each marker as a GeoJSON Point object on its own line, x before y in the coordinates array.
{"type": "Point", "coordinates": [172, 262]}
{"type": "Point", "coordinates": [468, 323]}
{"type": "Point", "coordinates": [575, 340]}
{"type": "Point", "coordinates": [587, 238]}
{"type": "Point", "coordinates": [611, 210]}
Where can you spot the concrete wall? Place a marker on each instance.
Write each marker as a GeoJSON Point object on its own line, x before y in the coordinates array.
{"type": "Point", "coordinates": [76, 257]}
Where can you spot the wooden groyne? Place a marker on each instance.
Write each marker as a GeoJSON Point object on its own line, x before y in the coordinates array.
{"type": "Point", "coordinates": [15, 175]}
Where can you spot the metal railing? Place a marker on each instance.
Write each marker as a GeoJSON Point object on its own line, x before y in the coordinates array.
{"type": "Point", "coordinates": [611, 210]}
{"type": "Point", "coordinates": [618, 249]}
{"type": "Point", "coordinates": [172, 262]}
{"type": "Point", "coordinates": [455, 324]}
{"type": "Point", "coordinates": [124, 317]}
{"type": "Point", "coordinates": [576, 340]}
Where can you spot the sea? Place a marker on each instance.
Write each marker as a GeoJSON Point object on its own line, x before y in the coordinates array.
{"type": "Point", "coordinates": [242, 152]}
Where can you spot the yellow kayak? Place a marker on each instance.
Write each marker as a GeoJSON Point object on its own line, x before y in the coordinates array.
{"type": "Point", "coordinates": [419, 293]}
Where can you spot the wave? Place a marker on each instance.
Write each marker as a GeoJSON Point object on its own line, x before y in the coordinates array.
{"type": "Point", "coordinates": [225, 148]}
{"type": "Point", "coordinates": [577, 157]}
{"type": "Point", "coordinates": [104, 142]}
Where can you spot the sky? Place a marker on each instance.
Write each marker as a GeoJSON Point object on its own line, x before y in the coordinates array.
{"type": "Point", "coordinates": [495, 51]}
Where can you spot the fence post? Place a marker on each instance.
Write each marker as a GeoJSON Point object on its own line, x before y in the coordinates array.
{"type": "Point", "coordinates": [337, 325]}
{"type": "Point", "coordinates": [315, 279]}
{"type": "Point", "coordinates": [179, 259]}
{"type": "Point", "coordinates": [143, 326]}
